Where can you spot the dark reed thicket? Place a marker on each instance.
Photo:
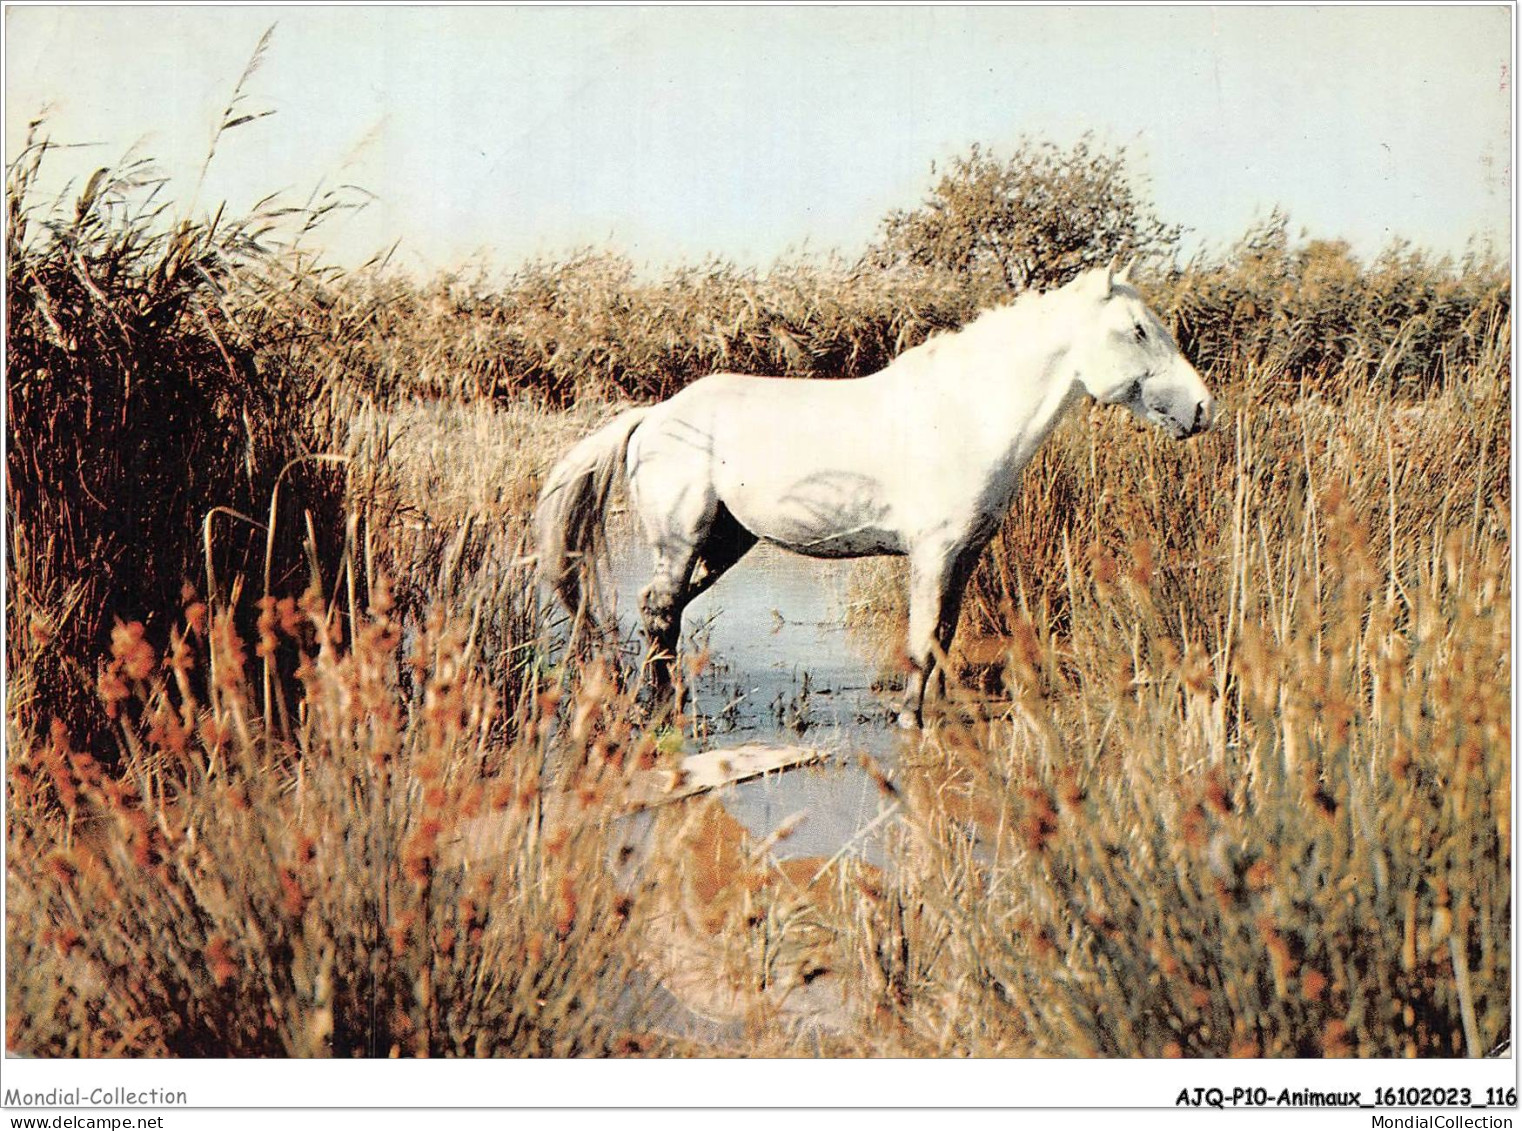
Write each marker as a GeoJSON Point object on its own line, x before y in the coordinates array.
{"type": "Point", "coordinates": [144, 390]}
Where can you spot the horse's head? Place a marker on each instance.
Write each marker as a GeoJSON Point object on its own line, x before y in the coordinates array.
{"type": "Point", "coordinates": [1123, 354]}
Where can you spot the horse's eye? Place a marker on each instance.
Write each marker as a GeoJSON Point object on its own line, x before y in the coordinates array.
{"type": "Point", "coordinates": [1140, 332]}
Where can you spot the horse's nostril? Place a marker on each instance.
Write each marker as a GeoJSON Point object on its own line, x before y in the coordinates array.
{"type": "Point", "coordinates": [1199, 415]}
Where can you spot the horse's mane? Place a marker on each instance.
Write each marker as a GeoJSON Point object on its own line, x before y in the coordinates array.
{"type": "Point", "coordinates": [1004, 320]}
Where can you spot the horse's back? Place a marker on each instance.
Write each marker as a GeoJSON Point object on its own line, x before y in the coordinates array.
{"type": "Point", "coordinates": [734, 389]}
{"type": "Point", "coordinates": [735, 413]}
{"type": "Point", "coordinates": [805, 463]}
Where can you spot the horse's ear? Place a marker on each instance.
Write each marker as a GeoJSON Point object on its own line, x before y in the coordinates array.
{"type": "Point", "coordinates": [1100, 280]}
{"type": "Point", "coordinates": [1124, 275]}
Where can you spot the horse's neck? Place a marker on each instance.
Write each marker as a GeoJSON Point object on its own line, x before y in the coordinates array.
{"type": "Point", "coordinates": [1035, 402]}
{"type": "Point", "coordinates": [1011, 393]}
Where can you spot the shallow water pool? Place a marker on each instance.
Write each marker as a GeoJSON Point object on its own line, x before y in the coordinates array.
{"type": "Point", "coordinates": [783, 668]}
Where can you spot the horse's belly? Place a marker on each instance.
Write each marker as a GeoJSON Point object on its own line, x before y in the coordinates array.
{"type": "Point", "coordinates": [827, 514]}
{"type": "Point", "coordinates": [864, 543]}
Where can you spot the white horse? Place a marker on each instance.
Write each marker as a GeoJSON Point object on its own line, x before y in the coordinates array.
{"type": "Point", "coordinates": [921, 459]}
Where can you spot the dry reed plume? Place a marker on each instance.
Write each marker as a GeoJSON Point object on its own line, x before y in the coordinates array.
{"type": "Point", "coordinates": [235, 888]}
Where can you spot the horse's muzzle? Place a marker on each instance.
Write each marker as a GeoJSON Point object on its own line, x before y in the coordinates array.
{"type": "Point", "coordinates": [1204, 417]}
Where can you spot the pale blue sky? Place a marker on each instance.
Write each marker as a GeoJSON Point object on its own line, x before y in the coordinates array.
{"type": "Point", "coordinates": [674, 133]}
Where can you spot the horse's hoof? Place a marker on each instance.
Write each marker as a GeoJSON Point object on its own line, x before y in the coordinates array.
{"type": "Point", "coordinates": [908, 720]}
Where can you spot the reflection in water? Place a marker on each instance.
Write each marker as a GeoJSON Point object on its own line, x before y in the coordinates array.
{"type": "Point", "coordinates": [782, 668]}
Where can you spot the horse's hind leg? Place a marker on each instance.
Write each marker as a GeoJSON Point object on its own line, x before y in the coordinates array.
{"type": "Point", "coordinates": [726, 544]}
{"type": "Point", "coordinates": [660, 609]}
{"type": "Point", "coordinates": [687, 563]}
{"type": "Point", "coordinates": [677, 520]}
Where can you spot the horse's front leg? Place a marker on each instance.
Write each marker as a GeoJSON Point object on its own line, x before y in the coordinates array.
{"type": "Point", "coordinates": [924, 616]}
{"type": "Point", "coordinates": [911, 713]}
{"type": "Point", "coordinates": [936, 584]}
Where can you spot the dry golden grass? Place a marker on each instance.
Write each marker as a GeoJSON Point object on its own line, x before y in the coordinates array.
{"type": "Point", "coordinates": [1237, 782]}
{"type": "Point", "coordinates": [448, 462]}
{"type": "Point", "coordinates": [243, 889]}
{"type": "Point", "coordinates": [1251, 792]}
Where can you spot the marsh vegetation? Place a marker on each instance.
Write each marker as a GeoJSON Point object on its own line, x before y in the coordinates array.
{"type": "Point", "coordinates": [296, 768]}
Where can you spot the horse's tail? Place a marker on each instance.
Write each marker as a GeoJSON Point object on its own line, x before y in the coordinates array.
{"type": "Point", "coordinates": [569, 520]}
